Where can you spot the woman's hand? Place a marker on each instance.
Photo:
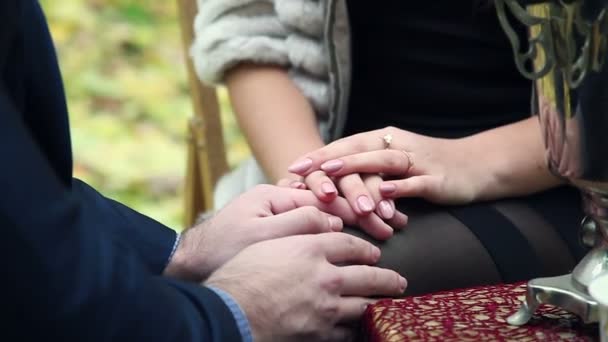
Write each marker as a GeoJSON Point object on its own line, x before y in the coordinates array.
{"type": "Point", "coordinates": [438, 170]}
{"type": "Point", "coordinates": [363, 195]}
{"type": "Point", "coordinates": [361, 191]}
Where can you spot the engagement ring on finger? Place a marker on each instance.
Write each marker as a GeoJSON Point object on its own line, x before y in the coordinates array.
{"type": "Point", "coordinates": [387, 141]}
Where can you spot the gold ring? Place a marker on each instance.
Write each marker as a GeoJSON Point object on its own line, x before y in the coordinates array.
{"type": "Point", "coordinates": [410, 161]}
{"type": "Point", "coordinates": [387, 141]}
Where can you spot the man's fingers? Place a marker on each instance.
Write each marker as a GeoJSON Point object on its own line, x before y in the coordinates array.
{"type": "Point", "coordinates": [368, 281]}
{"type": "Point", "coordinates": [288, 199]}
{"type": "Point", "coordinates": [352, 308]}
{"type": "Point", "coordinates": [390, 162]}
{"type": "Point", "coordinates": [376, 227]}
{"type": "Point", "coordinates": [294, 183]}
{"type": "Point", "coordinates": [321, 185]}
{"type": "Point", "coordinates": [305, 220]}
{"type": "Point", "coordinates": [339, 334]}
{"type": "Point", "coordinates": [339, 248]}
{"type": "Point", "coordinates": [399, 221]}
{"type": "Point", "coordinates": [372, 224]}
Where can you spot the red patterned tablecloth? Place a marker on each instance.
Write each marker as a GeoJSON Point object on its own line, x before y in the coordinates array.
{"type": "Point", "coordinates": [476, 314]}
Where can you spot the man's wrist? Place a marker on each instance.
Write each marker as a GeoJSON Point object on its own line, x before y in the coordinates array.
{"type": "Point", "coordinates": [178, 238]}
{"type": "Point", "coordinates": [183, 262]}
{"type": "Point", "coordinates": [239, 314]}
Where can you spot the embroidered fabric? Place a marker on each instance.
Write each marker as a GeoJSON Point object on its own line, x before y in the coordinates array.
{"type": "Point", "coordinates": [475, 314]}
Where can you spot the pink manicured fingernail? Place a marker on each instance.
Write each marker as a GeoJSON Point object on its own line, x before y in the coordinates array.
{"type": "Point", "coordinates": [300, 166]}
{"type": "Point", "coordinates": [388, 187]}
{"type": "Point", "coordinates": [386, 210]}
{"type": "Point", "coordinates": [328, 188]}
{"type": "Point", "coordinates": [365, 204]}
{"type": "Point", "coordinates": [332, 165]}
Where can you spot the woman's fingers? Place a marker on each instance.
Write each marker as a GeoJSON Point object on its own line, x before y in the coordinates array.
{"type": "Point", "coordinates": [389, 162]}
{"type": "Point", "coordinates": [364, 198]}
{"type": "Point", "coordinates": [321, 185]}
{"type": "Point", "coordinates": [385, 207]}
{"type": "Point", "coordinates": [357, 194]}
{"type": "Point", "coordinates": [399, 221]}
{"type": "Point", "coordinates": [418, 186]}
{"type": "Point", "coordinates": [355, 191]}
{"type": "Point", "coordinates": [376, 227]}
{"type": "Point", "coordinates": [358, 143]}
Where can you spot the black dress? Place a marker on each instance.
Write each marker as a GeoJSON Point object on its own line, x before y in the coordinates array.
{"type": "Point", "coordinates": [444, 68]}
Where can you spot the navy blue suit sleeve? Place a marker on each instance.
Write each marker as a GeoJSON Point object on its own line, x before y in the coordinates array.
{"type": "Point", "coordinates": [37, 93]}
{"type": "Point", "coordinates": [68, 278]}
{"type": "Point", "coordinates": [152, 241]}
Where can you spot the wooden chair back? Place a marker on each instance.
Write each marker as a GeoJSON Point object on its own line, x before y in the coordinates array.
{"type": "Point", "coordinates": [206, 161]}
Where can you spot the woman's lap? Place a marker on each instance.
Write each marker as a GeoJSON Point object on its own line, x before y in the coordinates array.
{"type": "Point", "coordinates": [487, 243]}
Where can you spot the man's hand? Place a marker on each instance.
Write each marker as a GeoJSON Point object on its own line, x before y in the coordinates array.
{"type": "Point", "coordinates": [291, 289]}
{"type": "Point", "coordinates": [266, 212]}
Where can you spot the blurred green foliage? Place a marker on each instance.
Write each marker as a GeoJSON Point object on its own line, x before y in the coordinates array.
{"type": "Point", "coordinates": [126, 84]}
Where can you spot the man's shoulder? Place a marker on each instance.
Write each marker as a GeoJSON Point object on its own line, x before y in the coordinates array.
{"type": "Point", "coordinates": [9, 10]}
{"type": "Point", "coordinates": [9, 13]}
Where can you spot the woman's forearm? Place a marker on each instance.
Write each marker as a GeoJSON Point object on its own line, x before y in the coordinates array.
{"type": "Point", "coordinates": [277, 120]}
{"type": "Point", "coordinates": [510, 160]}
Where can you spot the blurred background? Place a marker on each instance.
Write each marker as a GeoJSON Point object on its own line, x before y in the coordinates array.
{"type": "Point", "coordinates": [125, 78]}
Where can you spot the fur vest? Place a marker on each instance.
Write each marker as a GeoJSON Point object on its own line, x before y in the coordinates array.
{"type": "Point", "coordinates": [310, 38]}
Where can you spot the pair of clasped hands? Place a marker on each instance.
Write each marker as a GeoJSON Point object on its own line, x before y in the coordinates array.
{"type": "Point", "coordinates": [372, 169]}
{"type": "Point", "coordinates": [317, 280]}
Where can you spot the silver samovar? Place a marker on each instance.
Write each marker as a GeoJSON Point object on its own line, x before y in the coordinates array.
{"type": "Point", "coordinates": [564, 57]}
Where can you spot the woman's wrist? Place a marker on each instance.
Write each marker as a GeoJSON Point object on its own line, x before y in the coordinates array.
{"type": "Point", "coordinates": [508, 161]}
{"type": "Point", "coordinates": [490, 176]}
{"type": "Point", "coordinates": [477, 181]}
{"type": "Point", "coordinates": [275, 117]}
